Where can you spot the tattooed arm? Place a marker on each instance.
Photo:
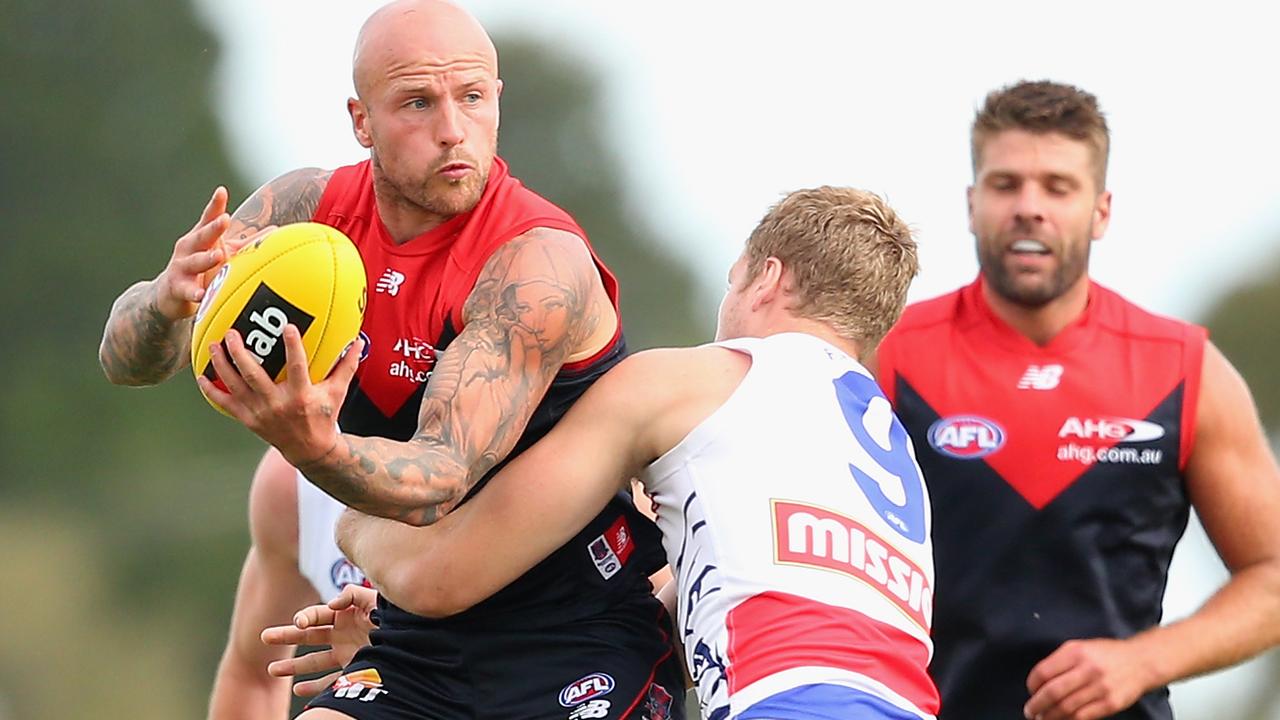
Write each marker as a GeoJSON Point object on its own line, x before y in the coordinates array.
{"type": "Point", "coordinates": [638, 411]}
{"type": "Point", "coordinates": [538, 302]}
{"type": "Point", "coordinates": [148, 334]}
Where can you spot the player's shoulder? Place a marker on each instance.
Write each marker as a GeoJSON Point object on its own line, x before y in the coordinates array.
{"type": "Point", "coordinates": [1124, 317]}
{"type": "Point", "coordinates": [520, 197]}
{"type": "Point", "coordinates": [664, 375]}
{"type": "Point", "coordinates": [554, 239]}
{"type": "Point", "coordinates": [682, 362]}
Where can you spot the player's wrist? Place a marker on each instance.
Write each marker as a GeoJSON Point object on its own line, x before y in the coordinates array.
{"type": "Point", "coordinates": [161, 304]}
{"type": "Point", "coordinates": [314, 456]}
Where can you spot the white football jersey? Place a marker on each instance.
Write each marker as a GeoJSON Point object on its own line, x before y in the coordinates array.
{"type": "Point", "coordinates": [319, 559]}
{"type": "Point", "coordinates": [798, 525]}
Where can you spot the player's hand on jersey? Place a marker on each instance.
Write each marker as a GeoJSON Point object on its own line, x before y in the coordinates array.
{"type": "Point", "coordinates": [1087, 679]}
{"type": "Point", "coordinates": [297, 416]}
{"type": "Point", "coordinates": [343, 624]}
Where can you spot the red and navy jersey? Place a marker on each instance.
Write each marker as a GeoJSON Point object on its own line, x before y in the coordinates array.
{"type": "Point", "coordinates": [416, 294]}
{"type": "Point", "coordinates": [1055, 475]}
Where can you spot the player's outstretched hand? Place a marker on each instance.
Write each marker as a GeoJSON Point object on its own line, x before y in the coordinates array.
{"type": "Point", "coordinates": [180, 286]}
{"type": "Point", "coordinates": [1086, 680]}
{"type": "Point", "coordinates": [343, 624]}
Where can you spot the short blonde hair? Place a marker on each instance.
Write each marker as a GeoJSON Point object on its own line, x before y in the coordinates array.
{"type": "Point", "coordinates": [850, 256]}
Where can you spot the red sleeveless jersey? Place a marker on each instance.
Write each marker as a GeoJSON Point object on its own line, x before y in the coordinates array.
{"type": "Point", "coordinates": [1055, 475]}
{"type": "Point", "coordinates": [417, 290]}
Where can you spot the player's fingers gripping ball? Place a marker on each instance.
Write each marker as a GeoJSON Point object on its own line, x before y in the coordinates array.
{"type": "Point", "coordinates": [306, 274]}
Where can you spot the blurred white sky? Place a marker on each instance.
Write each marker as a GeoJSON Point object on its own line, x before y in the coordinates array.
{"type": "Point", "coordinates": [719, 108]}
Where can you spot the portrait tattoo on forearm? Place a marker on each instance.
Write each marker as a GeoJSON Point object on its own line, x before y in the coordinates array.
{"type": "Point", "coordinates": [538, 298]}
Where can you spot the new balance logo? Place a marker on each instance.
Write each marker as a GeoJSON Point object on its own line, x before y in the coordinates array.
{"type": "Point", "coordinates": [390, 282]}
{"type": "Point", "coordinates": [1041, 377]}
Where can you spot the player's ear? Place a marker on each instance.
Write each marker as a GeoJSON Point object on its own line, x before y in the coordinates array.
{"type": "Point", "coordinates": [359, 122]}
{"type": "Point", "coordinates": [1101, 215]}
{"type": "Point", "coordinates": [497, 112]}
{"type": "Point", "coordinates": [768, 284]}
{"type": "Point", "coordinates": [968, 198]}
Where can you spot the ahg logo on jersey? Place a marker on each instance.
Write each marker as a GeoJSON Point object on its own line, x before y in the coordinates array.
{"type": "Point", "coordinates": [816, 537]}
{"type": "Point", "coordinates": [1111, 429]}
{"type": "Point", "coordinates": [1101, 440]}
{"type": "Point", "coordinates": [418, 359]}
{"type": "Point", "coordinates": [261, 323]}
{"type": "Point", "coordinates": [966, 437]}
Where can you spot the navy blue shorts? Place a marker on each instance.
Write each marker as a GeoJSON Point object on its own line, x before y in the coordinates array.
{"type": "Point", "coordinates": [607, 668]}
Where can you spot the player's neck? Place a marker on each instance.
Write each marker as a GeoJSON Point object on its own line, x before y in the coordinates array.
{"type": "Point", "coordinates": [1041, 324]}
{"type": "Point", "coordinates": [404, 220]}
{"type": "Point", "coordinates": [785, 323]}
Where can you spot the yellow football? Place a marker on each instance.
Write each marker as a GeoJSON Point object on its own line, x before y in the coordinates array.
{"type": "Point", "coordinates": [306, 274]}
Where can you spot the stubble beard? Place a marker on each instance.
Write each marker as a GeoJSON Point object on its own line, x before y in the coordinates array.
{"type": "Point", "coordinates": [434, 194]}
{"type": "Point", "coordinates": [1005, 282]}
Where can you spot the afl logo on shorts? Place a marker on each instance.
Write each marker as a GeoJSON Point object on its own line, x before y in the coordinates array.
{"type": "Point", "coordinates": [966, 437]}
{"type": "Point", "coordinates": [588, 688]}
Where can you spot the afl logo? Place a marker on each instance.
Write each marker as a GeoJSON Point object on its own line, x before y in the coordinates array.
{"type": "Point", "coordinates": [591, 686]}
{"type": "Point", "coordinates": [212, 291]}
{"type": "Point", "coordinates": [364, 351]}
{"type": "Point", "coordinates": [966, 437]}
{"type": "Point", "coordinates": [343, 573]}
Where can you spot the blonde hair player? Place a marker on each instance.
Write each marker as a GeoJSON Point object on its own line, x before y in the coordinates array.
{"type": "Point", "coordinates": [792, 509]}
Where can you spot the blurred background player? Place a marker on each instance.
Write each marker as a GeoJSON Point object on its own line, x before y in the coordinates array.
{"type": "Point", "coordinates": [1064, 434]}
{"type": "Point", "coordinates": [793, 512]}
{"type": "Point", "coordinates": [488, 316]}
{"type": "Point", "coordinates": [292, 560]}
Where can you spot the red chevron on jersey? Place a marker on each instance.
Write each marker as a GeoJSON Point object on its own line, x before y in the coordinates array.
{"type": "Point", "coordinates": [1082, 400]}
{"type": "Point", "coordinates": [417, 288]}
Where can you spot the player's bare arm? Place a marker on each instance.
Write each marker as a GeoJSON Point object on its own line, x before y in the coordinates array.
{"type": "Point", "coordinates": [1234, 484]}
{"type": "Point", "coordinates": [270, 590]}
{"type": "Point", "coordinates": [637, 411]}
{"type": "Point", "coordinates": [148, 333]}
{"type": "Point", "coordinates": [537, 303]}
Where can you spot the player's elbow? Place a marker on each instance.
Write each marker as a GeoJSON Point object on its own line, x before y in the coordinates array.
{"type": "Point", "coordinates": [428, 594]}
{"type": "Point", "coordinates": [119, 372]}
{"type": "Point", "coordinates": [116, 374]}
{"type": "Point", "coordinates": [438, 605]}
{"type": "Point", "coordinates": [426, 504]}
